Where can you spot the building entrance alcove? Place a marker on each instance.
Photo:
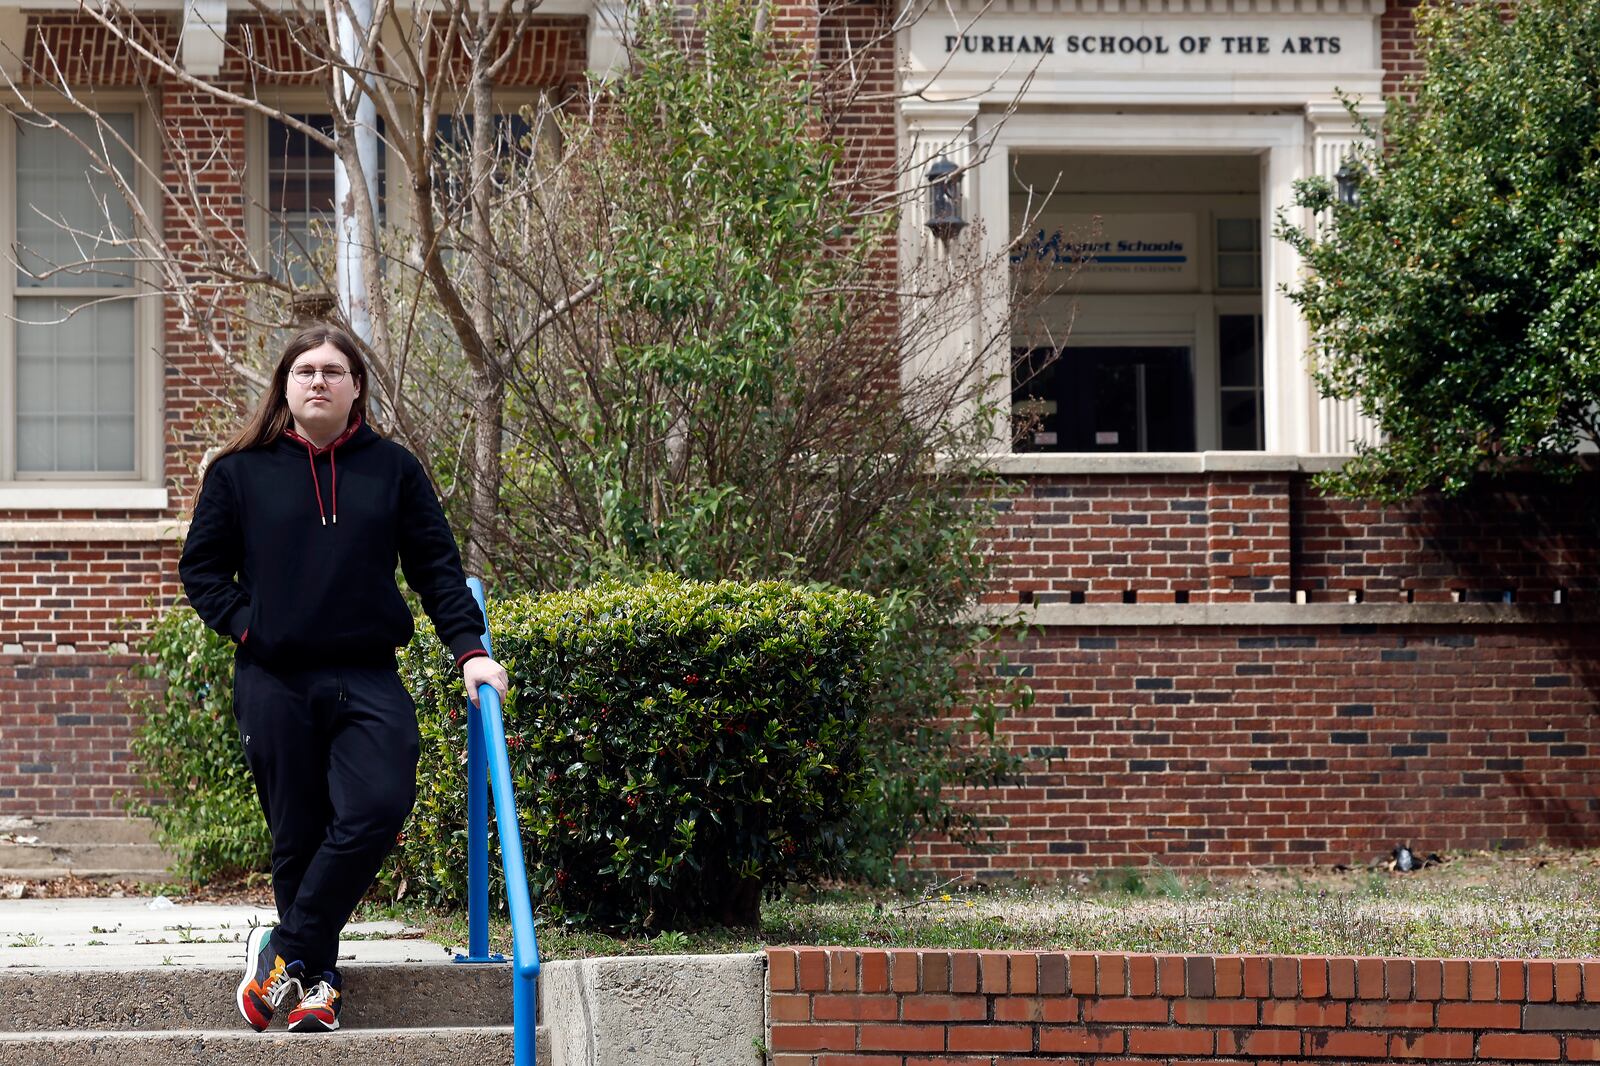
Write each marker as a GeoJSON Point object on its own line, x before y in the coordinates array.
{"type": "Point", "coordinates": [1142, 330]}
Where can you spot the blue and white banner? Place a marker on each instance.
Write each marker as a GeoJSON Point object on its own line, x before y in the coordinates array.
{"type": "Point", "coordinates": [1146, 252]}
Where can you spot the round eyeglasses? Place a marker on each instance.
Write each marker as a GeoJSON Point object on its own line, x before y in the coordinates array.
{"type": "Point", "coordinates": [305, 375]}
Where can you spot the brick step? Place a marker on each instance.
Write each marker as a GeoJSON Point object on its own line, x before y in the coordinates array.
{"type": "Point", "coordinates": [415, 1046]}
{"type": "Point", "coordinates": [377, 996]}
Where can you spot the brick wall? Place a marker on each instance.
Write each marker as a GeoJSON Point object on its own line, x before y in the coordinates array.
{"type": "Point", "coordinates": [1264, 537]}
{"type": "Point", "coordinates": [74, 596]}
{"type": "Point", "coordinates": [1398, 46]}
{"type": "Point", "coordinates": [64, 730]}
{"type": "Point", "coordinates": [1164, 729]}
{"type": "Point", "coordinates": [1240, 746]}
{"type": "Point", "coordinates": [864, 1007]}
{"type": "Point", "coordinates": [69, 609]}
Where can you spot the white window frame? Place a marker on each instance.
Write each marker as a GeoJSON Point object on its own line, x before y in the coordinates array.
{"type": "Point", "coordinates": [144, 488]}
{"type": "Point", "coordinates": [1280, 140]}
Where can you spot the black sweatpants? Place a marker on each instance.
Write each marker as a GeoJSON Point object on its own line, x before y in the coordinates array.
{"type": "Point", "coordinates": [334, 755]}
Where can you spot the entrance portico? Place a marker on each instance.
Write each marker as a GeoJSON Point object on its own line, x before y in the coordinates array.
{"type": "Point", "coordinates": [1042, 107]}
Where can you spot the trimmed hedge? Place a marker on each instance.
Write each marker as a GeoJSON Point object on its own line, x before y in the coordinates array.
{"type": "Point", "coordinates": [187, 746]}
{"type": "Point", "coordinates": [677, 747]}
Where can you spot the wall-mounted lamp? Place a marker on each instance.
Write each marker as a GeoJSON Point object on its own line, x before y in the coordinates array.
{"type": "Point", "coordinates": [1347, 182]}
{"type": "Point", "coordinates": [944, 200]}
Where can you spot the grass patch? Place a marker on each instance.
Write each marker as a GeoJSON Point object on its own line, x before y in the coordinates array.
{"type": "Point", "coordinates": [1524, 905]}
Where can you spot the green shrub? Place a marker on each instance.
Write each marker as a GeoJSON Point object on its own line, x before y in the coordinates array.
{"type": "Point", "coordinates": [676, 747]}
{"type": "Point", "coordinates": [187, 744]}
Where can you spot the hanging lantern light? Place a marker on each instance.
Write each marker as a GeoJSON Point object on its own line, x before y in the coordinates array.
{"type": "Point", "coordinates": [944, 200]}
{"type": "Point", "coordinates": [1347, 182]}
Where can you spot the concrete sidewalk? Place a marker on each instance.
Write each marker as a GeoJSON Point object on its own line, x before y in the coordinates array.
{"type": "Point", "coordinates": [144, 932]}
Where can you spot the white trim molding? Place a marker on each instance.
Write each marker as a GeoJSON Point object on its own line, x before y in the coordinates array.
{"type": "Point", "coordinates": [204, 31]}
{"type": "Point", "coordinates": [21, 496]}
{"type": "Point", "coordinates": [111, 531]}
{"type": "Point", "coordinates": [1095, 615]}
{"type": "Point", "coordinates": [1043, 463]}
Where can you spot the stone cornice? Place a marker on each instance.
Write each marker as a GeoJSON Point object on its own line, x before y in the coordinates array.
{"type": "Point", "coordinates": [1141, 615]}
{"type": "Point", "coordinates": [1146, 8]}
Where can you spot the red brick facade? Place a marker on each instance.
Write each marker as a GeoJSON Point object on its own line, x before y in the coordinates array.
{"type": "Point", "coordinates": [1198, 738]}
{"type": "Point", "coordinates": [1246, 746]}
{"type": "Point", "coordinates": [69, 609]}
{"type": "Point", "coordinates": [64, 728]}
{"type": "Point", "coordinates": [865, 1007]}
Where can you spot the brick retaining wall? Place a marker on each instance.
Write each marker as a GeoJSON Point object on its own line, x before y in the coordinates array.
{"type": "Point", "coordinates": [868, 1007]}
{"type": "Point", "coordinates": [1229, 746]}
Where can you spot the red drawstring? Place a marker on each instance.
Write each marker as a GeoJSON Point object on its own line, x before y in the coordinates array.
{"type": "Point", "coordinates": [333, 466]}
{"type": "Point", "coordinates": [316, 486]}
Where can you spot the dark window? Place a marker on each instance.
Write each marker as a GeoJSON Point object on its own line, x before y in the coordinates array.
{"type": "Point", "coordinates": [300, 191]}
{"type": "Point", "coordinates": [1113, 399]}
{"type": "Point", "coordinates": [514, 147]}
{"type": "Point", "coordinates": [1239, 382]}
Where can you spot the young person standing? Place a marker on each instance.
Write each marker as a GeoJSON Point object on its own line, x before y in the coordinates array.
{"type": "Point", "coordinates": [297, 528]}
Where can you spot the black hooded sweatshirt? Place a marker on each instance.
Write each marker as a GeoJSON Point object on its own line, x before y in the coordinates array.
{"type": "Point", "coordinates": [292, 552]}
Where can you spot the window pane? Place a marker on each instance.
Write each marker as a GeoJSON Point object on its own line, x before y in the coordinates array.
{"type": "Point", "coordinates": [1238, 272]}
{"type": "Point", "coordinates": [75, 386]}
{"type": "Point", "coordinates": [300, 191]}
{"type": "Point", "coordinates": [114, 440]}
{"type": "Point", "coordinates": [1238, 346]}
{"type": "Point", "coordinates": [514, 147]}
{"type": "Point", "coordinates": [1107, 399]}
{"type": "Point", "coordinates": [56, 186]}
{"type": "Point", "coordinates": [1241, 420]}
{"type": "Point", "coordinates": [1237, 234]}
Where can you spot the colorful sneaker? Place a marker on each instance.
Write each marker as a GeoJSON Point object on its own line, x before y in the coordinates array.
{"type": "Point", "coordinates": [318, 1010]}
{"type": "Point", "coordinates": [268, 980]}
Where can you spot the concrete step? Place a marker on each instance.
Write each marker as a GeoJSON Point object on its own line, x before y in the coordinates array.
{"type": "Point", "coordinates": [35, 849]}
{"type": "Point", "coordinates": [61, 858]}
{"type": "Point", "coordinates": [417, 1046]}
{"type": "Point", "coordinates": [81, 830]}
{"type": "Point", "coordinates": [377, 996]}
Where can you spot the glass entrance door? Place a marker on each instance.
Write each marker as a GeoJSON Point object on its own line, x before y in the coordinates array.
{"type": "Point", "coordinates": [1105, 399]}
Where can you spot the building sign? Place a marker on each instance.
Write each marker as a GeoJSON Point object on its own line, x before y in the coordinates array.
{"type": "Point", "coordinates": [1160, 44]}
{"type": "Point", "coordinates": [1147, 252]}
{"type": "Point", "coordinates": [1170, 44]}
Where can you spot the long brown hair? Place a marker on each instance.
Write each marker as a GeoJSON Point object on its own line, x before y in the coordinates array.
{"type": "Point", "coordinates": [272, 415]}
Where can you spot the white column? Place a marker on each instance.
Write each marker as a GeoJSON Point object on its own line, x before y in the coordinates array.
{"type": "Point", "coordinates": [608, 40]}
{"type": "Point", "coordinates": [1286, 384]}
{"type": "Point", "coordinates": [1335, 136]}
{"type": "Point", "coordinates": [13, 30]}
{"type": "Point", "coordinates": [933, 131]}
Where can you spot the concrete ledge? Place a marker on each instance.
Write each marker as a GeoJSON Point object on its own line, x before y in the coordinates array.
{"type": "Point", "coordinates": [481, 1046]}
{"type": "Point", "coordinates": [1164, 463]}
{"type": "Point", "coordinates": [110, 531]}
{"type": "Point", "coordinates": [688, 1010]}
{"type": "Point", "coordinates": [1081, 615]}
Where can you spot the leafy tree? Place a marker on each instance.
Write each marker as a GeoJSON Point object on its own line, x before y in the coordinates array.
{"type": "Point", "coordinates": [728, 400]}
{"type": "Point", "coordinates": [1459, 299]}
{"type": "Point", "coordinates": [661, 326]}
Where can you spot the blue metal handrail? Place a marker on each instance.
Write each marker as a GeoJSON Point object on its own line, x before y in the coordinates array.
{"type": "Point", "coordinates": [486, 744]}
